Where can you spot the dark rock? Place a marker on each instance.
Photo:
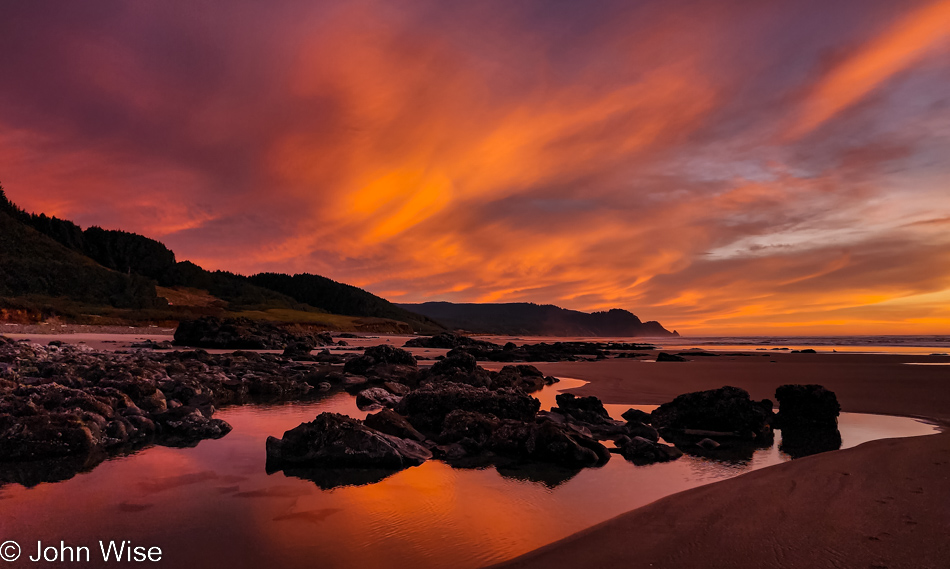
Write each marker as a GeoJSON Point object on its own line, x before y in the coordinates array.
{"type": "Point", "coordinates": [470, 429]}
{"type": "Point", "coordinates": [727, 411]}
{"type": "Point", "coordinates": [376, 396]}
{"type": "Point", "coordinates": [642, 451]}
{"type": "Point", "coordinates": [396, 388]}
{"type": "Point", "coordinates": [526, 377]}
{"type": "Point", "coordinates": [543, 352]}
{"type": "Point", "coordinates": [427, 407]}
{"type": "Point", "coordinates": [637, 415]}
{"type": "Point", "coordinates": [450, 452]}
{"type": "Point", "coordinates": [152, 345]}
{"type": "Point", "coordinates": [392, 423]}
{"type": "Point", "coordinates": [336, 441]}
{"type": "Point", "coordinates": [299, 350]}
{"type": "Point", "coordinates": [239, 334]}
{"type": "Point", "coordinates": [638, 429]}
{"type": "Point", "coordinates": [665, 357]}
{"type": "Point", "coordinates": [44, 436]}
{"type": "Point", "coordinates": [806, 405]}
{"type": "Point", "coordinates": [547, 442]}
{"type": "Point", "coordinates": [379, 355]}
{"type": "Point", "coordinates": [799, 441]}
{"type": "Point", "coordinates": [708, 444]}
{"type": "Point", "coordinates": [447, 341]}
{"type": "Point", "coordinates": [185, 426]}
{"type": "Point", "coordinates": [582, 409]}
{"type": "Point", "coordinates": [454, 363]}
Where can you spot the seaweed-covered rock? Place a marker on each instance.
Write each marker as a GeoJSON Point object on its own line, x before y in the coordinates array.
{"type": "Point", "coordinates": [727, 411]}
{"type": "Point", "coordinates": [336, 441]}
{"type": "Point", "coordinates": [806, 405]}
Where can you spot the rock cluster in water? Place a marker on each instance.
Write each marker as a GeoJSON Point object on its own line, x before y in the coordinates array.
{"type": "Point", "coordinates": [459, 412]}
{"type": "Point", "coordinates": [65, 408]}
{"type": "Point", "coordinates": [70, 402]}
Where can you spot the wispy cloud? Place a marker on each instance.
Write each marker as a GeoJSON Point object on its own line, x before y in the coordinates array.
{"type": "Point", "coordinates": [726, 166]}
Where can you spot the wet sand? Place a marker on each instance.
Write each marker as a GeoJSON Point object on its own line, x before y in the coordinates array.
{"type": "Point", "coordinates": [864, 383]}
{"type": "Point", "coordinates": [879, 505]}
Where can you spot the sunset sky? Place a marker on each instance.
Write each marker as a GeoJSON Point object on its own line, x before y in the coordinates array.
{"type": "Point", "coordinates": [733, 167]}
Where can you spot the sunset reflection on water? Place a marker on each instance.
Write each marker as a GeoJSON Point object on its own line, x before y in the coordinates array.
{"type": "Point", "coordinates": [214, 505]}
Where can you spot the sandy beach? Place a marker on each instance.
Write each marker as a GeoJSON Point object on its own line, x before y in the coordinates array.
{"type": "Point", "coordinates": [864, 383]}
{"type": "Point", "coordinates": [882, 504]}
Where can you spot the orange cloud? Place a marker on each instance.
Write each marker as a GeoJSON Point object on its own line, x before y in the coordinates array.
{"type": "Point", "coordinates": [906, 41]}
{"type": "Point", "coordinates": [616, 156]}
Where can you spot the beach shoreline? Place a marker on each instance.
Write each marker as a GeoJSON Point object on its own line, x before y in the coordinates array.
{"type": "Point", "coordinates": [875, 517]}
{"type": "Point", "coordinates": [881, 504]}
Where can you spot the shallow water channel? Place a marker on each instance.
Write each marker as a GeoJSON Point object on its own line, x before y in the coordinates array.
{"type": "Point", "coordinates": [214, 505]}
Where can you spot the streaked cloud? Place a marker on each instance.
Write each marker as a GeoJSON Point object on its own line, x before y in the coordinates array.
{"type": "Point", "coordinates": [731, 166]}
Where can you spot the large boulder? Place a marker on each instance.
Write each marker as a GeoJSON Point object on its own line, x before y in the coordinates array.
{"type": "Point", "coordinates": [427, 407]}
{"type": "Point", "coordinates": [806, 405]}
{"type": "Point", "coordinates": [723, 412]}
{"type": "Point", "coordinates": [332, 440]}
